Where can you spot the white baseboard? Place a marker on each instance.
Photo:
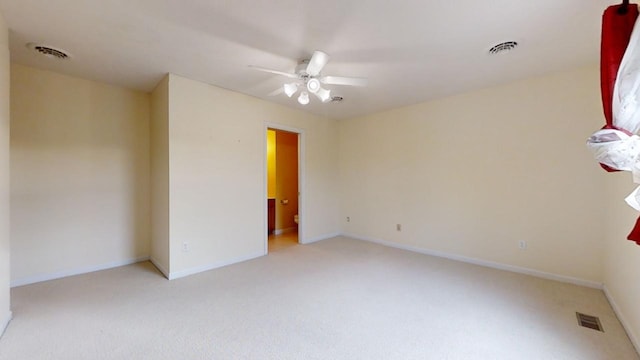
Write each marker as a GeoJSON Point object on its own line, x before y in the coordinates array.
{"type": "Point", "coordinates": [5, 322]}
{"type": "Point", "coordinates": [160, 268]}
{"type": "Point", "coordinates": [485, 263]}
{"type": "Point", "coordinates": [198, 269]}
{"type": "Point", "coordinates": [319, 238]}
{"type": "Point", "coordinates": [284, 231]}
{"type": "Point", "coordinates": [632, 336]}
{"type": "Point", "coordinates": [72, 272]}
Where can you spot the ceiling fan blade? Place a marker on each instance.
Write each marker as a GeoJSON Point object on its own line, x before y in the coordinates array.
{"type": "Point", "coordinates": [342, 80]}
{"type": "Point", "coordinates": [317, 62]}
{"type": "Point", "coordinates": [276, 92]}
{"type": "Point", "coordinates": [289, 75]}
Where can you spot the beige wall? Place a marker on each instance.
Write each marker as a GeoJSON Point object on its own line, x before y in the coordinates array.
{"type": "Point", "coordinates": [286, 180]}
{"type": "Point", "coordinates": [218, 174]}
{"type": "Point", "coordinates": [469, 175]}
{"type": "Point", "coordinates": [5, 313]}
{"type": "Point", "coordinates": [79, 175]}
{"type": "Point", "coordinates": [621, 256]}
{"type": "Point", "coordinates": [160, 176]}
{"type": "Point", "coordinates": [473, 174]}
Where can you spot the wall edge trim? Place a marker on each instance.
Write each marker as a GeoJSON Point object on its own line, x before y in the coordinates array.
{"type": "Point", "coordinates": [160, 268]}
{"type": "Point", "coordinates": [78, 271]}
{"type": "Point", "coordinates": [481, 262]}
{"type": "Point", "coordinates": [198, 269]}
{"type": "Point", "coordinates": [625, 324]}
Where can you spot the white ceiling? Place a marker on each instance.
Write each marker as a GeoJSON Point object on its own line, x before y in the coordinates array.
{"type": "Point", "coordinates": [410, 50]}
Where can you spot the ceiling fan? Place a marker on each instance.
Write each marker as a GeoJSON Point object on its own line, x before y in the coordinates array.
{"type": "Point", "coordinates": [309, 79]}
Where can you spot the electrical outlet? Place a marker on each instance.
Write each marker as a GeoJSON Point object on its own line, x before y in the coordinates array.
{"type": "Point", "coordinates": [522, 244]}
{"type": "Point", "coordinates": [398, 227]}
{"type": "Point", "coordinates": [348, 219]}
{"type": "Point", "coordinates": [185, 247]}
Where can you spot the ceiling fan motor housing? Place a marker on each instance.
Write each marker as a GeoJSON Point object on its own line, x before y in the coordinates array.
{"type": "Point", "coordinates": [301, 69]}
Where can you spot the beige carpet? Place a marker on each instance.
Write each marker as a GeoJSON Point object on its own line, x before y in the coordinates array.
{"type": "Point", "coordinates": [336, 299]}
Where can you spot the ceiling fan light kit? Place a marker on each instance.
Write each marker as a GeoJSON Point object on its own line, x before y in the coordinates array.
{"type": "Point", "coordinates": [308, 74]}
{"type": "Point", "coordinates": [313, 85]}
{"type": "Point", "coordinates": [324, 95]}
{"type": "Point", "coordinates": [303, 99]}
{"type": "Point", "coordinates": [290, 89]}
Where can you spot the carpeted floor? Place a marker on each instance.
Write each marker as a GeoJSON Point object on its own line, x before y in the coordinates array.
{"type": "Point", "coordinates": [335, 299]}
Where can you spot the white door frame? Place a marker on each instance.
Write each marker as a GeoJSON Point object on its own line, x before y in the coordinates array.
{"type": "Point", "coordinates": [301, 181]}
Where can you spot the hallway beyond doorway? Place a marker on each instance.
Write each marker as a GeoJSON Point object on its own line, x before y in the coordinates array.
{"type": "Point", "coordinates": [282, 185]}
{"type": "Point", "coordinates": [283, 241]}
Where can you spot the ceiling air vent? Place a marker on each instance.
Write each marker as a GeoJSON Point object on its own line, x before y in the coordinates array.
{"type": "Point", "coordinates": [589, 321]}
{"type": "Point", "coordinates": [503, 47]}
{"type": "Point", "coordinates": [49, 51]}
{"type": "Point", "coordinates": [337, 99]}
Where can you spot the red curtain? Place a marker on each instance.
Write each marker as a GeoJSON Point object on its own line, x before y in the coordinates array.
{"type": "Point", "coordinates": [616, 32]}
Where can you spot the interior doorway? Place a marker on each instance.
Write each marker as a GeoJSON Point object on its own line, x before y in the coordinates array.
{"type": "Point", "coordinates": [283, 179]}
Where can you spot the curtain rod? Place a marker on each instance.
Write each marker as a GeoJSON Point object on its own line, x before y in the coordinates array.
{"type": "Point", "coordinates": [623, 7]}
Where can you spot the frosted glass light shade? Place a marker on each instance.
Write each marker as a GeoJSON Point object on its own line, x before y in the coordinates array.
{"type": "Point", "coordinates": [323, 94]}
{"type": "Point", "coordinates": [303, 98]}
{"type": "Point", "coordinates": [290, 89]}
